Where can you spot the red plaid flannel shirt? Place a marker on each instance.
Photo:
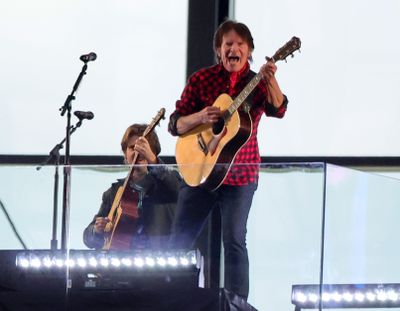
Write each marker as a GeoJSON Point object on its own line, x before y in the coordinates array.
{"type": "Point", "coordinates": [203, 88]}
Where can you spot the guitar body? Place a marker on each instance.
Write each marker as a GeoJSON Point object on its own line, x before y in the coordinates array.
{"type": "Point", "coordinates": [199, 152]}
{"type": "Point", "coordinates": [121, 231]}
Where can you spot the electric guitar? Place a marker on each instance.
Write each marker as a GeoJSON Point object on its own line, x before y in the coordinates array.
{"type": "Point", "coordinates": [123, 215]}
{"type": "Point", "coordinates": [205, 153]}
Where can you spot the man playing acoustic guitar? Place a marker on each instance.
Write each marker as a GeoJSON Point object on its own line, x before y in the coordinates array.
{"type": "Point", "coordinates": [153, 191]}
{"type": "Point", "coordinates": [197, 115]}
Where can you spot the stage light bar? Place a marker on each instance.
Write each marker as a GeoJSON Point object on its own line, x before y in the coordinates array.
{"type": "Point", "coordinates": [101, 260]}
{"type": "Point", "coordinates": [316, 296]}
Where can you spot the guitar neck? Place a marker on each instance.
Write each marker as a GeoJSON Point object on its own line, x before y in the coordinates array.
{"type": "Point", "coordinates": [238, 101]}
{"type": "Point", "coordinates": [286, 50]}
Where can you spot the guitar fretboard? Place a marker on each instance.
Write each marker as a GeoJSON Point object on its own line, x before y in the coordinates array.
{"type": "Point", "coordinates": [244, 94]}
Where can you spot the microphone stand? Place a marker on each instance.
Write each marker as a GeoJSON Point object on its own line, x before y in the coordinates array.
{"type": "Point", "coordinates": [67, 168]}
{"type": "Point", "coordinates": [55, 154]}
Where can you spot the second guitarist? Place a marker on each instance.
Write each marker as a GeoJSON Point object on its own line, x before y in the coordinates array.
{"type": "Point", "coordinates": [154, 189]}
{"type": "Point", "coordinates": [233, 47]}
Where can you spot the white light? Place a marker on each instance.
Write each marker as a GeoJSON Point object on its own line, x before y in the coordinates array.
{"type": "Point", "coordinates": [138, 262]}
{"type": "Point", "coordinates": [184, 261]}
{"type": "Point", "coordinates": [35, 262]}
{"type": "Point", "coordinates": [348, 296]}
{"type": "Point", "coordinates": [92, 276]}
{"type": "Point", "coordinates": [81, 262]}
{"type": "Point", "coordinates": [381, 295]}
{"type": "Point", "coordinates": [172, 261]}
{"type": "Point", "coordinates": [326, 297]}
{"type": "Point", "coordinates": [336, 297]}
{"type": "Point", "coordinates": [59, 262]}
{"type": "Point", "coordinates": [24, 263]}
{"type": "Point", "coordinates": [92, 262]}
{"type": "Point", "coordinates": [47, 262]}
{"type": "Point", "coordinates": [115, 262]}
{"type": "Point", "coordinates": [392, 295]}
{"type": "Point", "coordinates": [359, 296]}
{"type": "Point", "coordinates": [370, 296]}
{"type": "Point", "coordinates": [104, 262]}
{"type": "Point", "coordinates": [301, 297]}
{"type": "Point", "coordinates": [161, 262]}
{"type": "Point", "coordinates": [150, 262]}
{"type": "Point", "coordinates": [126, 262]}
{"type": "Point", "coordinates": [70, 263]}
{"type": "Point", "coordinates": [313, 297]}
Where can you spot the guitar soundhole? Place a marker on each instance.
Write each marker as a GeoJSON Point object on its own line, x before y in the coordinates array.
{"type": "Point", "coordinates": [218, 126]}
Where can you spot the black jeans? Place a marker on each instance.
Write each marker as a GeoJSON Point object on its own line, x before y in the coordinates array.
{"type": "Point", "coordinates": [195, 204]}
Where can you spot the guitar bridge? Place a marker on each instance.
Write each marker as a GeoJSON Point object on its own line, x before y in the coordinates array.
{"type": "Point", "coordinates": [202, 144]}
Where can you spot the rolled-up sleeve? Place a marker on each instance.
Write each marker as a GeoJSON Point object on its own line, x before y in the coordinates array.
{"type": "Point", "coordinates": [187, 104]}
{"type": "Point", "coordinates": [272, 111]}
{"type": "Point", "coordinates": [173, 119]}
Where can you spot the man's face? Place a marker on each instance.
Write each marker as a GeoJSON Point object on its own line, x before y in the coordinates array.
{"type": "Point", "coordinates": [234, 51]}
{"type": "Point", "coordinates": [130, 152]}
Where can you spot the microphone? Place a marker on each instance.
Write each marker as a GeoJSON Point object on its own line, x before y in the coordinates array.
{"type": "Point", "coordinates": [88, 57]}
{"type": "Point", "coordinates": [82, 115]}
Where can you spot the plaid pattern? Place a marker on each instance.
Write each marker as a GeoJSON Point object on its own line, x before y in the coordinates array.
{"type": "Point", "coordinates": [203, 88]}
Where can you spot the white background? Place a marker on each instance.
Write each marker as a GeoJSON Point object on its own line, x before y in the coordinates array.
{"type": "Point", "coordinates": [140, 68]}
{"type": "Point", "coordinates": [342, 89]}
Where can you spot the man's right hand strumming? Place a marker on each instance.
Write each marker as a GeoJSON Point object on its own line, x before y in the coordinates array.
{"type": "Point", "coordinates": [100, 224]}
{"type": "Point", "coordinates": [209, 114]}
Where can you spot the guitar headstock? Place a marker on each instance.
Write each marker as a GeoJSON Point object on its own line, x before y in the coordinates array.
{"type": "Point", "coordinates": [160, 115]}
{"type": "Point", "coordinates": [291, 46]}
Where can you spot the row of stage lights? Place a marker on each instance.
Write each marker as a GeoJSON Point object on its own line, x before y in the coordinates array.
{"type": "Point", "coordinates": [346, 296]}
{"type": "Point", "coordinates": [46, 260]}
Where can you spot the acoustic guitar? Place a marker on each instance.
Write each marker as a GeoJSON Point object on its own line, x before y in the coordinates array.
{"type": "Point", "coordinates": [123, 215]}
{"type": "Point", "coordinates": [205, 154]}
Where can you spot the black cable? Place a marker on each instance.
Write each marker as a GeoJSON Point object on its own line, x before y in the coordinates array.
{"type": "Point", "coordinates": [12, 225]}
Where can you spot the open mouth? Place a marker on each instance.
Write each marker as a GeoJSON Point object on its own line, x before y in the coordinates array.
{"type": "Point", "coordinates": [233, 59]}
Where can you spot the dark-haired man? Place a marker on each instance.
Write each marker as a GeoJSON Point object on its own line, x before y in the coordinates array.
{"type": "Point", "coordinates": [233, 46]}
{"type": "Point", "coordinates": [156, 189]}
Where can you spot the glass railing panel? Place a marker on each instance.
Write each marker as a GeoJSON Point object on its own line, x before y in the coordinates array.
{"type": "Point", "coordinates": [284, 232]}
{"type": "Point", "coordinates": [284, 226]}
{"type": "Point", "coordinates": [88, 183]}
{"type": "Point", "coordinates": [26, 222]}
{"type": "Point", "coordinates": [132, 259]}
{"type": "Point", "coordinates": [361, 230]}
{"type": "Point", "coordinates": [26, 196]}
